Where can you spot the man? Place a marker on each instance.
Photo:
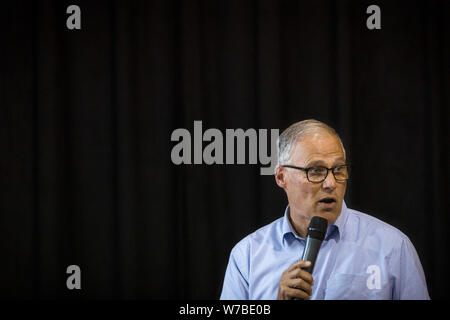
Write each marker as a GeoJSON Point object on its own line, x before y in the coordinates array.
{"type": "Point", "coordinates": [361, 257]}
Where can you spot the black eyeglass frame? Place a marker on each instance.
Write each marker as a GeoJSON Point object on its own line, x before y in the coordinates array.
{"type": "Point", "coordinates": [306, 170]}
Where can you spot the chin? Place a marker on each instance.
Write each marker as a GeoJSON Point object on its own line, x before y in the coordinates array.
{"type": "Point", "coordinates": [330, 215]}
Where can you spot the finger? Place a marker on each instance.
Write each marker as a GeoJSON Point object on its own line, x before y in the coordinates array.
{"type": "Point", "coordinates": [299, 265]}
{"type": "Point", "coordinates": [300, 284]}
{"type": "Point", "coordinates": [296, 293]}
{"type": "Point", "coordinates": [302, 274]}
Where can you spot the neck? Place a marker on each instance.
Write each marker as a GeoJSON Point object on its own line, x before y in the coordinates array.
{"type": "Point", "coordinates": [299, 222]}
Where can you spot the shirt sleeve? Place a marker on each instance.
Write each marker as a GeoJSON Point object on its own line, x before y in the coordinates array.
{"type": "Point", "coordinates": [235, 284]}
{"type": "Point", "coordinates": [410, 279]}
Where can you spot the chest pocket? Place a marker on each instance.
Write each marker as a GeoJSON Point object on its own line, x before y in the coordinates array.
{"type": "Point", "coordinates": [354, 287]}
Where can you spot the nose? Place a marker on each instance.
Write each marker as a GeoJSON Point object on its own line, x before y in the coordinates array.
{"type": "Point", "coordinates": [329, 182]}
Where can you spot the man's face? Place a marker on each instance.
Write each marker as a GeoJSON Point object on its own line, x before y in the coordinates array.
{"type": "Point", "coordinates": [306, 199]}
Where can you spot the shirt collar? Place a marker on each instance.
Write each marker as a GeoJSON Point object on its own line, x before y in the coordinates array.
{"type": "Point", "coordinates": [336, 229]}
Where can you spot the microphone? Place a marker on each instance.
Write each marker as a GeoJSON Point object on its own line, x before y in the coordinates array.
{"type": "Point", "coordinates": [314, 237]}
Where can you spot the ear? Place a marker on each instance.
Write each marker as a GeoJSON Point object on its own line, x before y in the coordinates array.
{"type": "Point", "coordinates": [280, 176]}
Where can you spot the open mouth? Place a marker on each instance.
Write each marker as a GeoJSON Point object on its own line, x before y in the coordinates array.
{"type": "Point", "coordinates": [327, 200]}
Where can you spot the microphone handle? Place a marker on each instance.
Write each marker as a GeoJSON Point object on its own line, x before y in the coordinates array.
{"type": "Point", "coordinates": [310, 253]}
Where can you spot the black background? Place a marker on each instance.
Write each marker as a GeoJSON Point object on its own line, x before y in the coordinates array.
{"type": "Point", "coordinates": [86, 117]}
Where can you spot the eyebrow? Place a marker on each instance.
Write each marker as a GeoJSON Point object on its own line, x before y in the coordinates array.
{"type": "Point", "coordinates": [321, 163]}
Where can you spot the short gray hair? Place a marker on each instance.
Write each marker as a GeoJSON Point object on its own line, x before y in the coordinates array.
{"type": "Point", "coordinates": [298, 130]}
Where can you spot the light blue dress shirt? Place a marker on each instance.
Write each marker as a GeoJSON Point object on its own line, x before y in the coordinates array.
{"type": "Point", "coordinates": [360, 258]}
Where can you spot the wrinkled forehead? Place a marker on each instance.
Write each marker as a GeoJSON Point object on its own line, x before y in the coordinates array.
{"type": "Point", "coordinates": [316, 147]}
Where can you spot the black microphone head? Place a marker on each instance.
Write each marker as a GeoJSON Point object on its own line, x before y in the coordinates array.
{"type": "Point", "coordinates": [317, 228]}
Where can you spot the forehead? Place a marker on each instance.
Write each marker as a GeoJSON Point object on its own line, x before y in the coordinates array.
{"type": "Point", "coordinates": [318, 148]}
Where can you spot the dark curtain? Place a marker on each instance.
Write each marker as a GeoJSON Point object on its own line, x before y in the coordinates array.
{"type": "Point", "coordinates": [86, 118]}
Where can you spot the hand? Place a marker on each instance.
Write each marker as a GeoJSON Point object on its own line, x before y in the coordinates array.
{"type": "Point", "coordinates": [295, 282]}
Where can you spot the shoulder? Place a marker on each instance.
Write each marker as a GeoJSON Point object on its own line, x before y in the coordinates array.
{"type": "Point", "coordinates": [362, 227]}
{"type": "Point", "coordinates": [269, 234]}
{"type": "Point", "coordinates": [368, 221]}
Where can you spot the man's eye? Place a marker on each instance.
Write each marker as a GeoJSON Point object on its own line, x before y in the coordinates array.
{"type": "Point", "coordinates": [316, 170]}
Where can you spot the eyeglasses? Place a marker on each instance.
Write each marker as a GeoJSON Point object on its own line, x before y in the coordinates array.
{"type": "Point", "coordinates": [319, 174]}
